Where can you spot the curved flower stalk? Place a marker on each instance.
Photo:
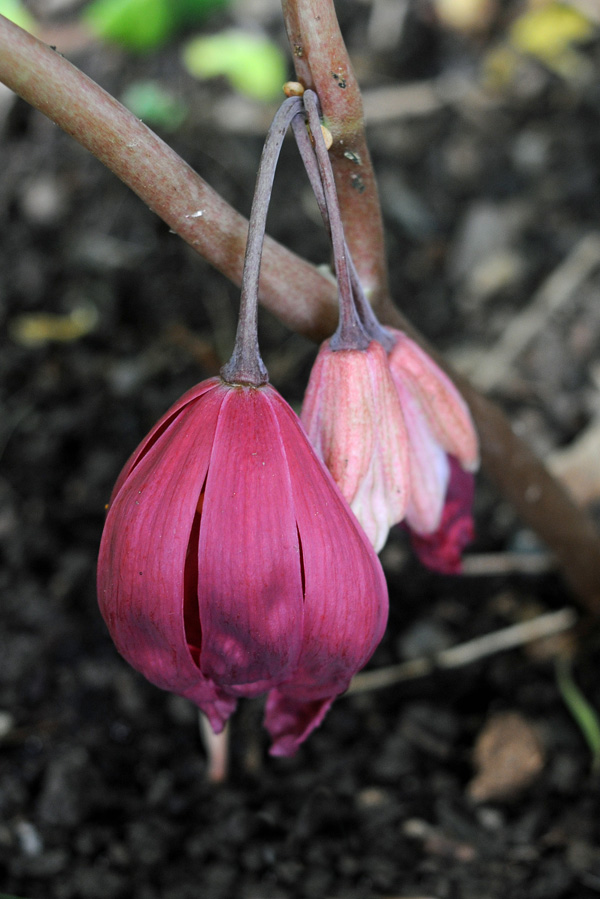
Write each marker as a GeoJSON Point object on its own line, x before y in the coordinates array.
{"type": "Point", "coordinates": [383, 416]}
{"type": "Point", "coordinates": [230, 564]}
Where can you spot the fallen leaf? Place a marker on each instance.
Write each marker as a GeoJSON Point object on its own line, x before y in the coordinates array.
{"type": "Point", "coordinates": [508, 756]}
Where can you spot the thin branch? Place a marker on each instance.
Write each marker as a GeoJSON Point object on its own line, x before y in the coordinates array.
{"type": "Point", "coordinates": [547, 625]}
{"type": "Point", "coordinates": [291, 288]}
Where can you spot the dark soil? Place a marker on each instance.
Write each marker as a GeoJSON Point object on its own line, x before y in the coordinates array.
{"type": "Point", "coordinates": [103, 789]}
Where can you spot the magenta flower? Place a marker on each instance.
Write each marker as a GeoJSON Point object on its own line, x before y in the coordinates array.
{"type": "Point", "coordinates": [230, 565]}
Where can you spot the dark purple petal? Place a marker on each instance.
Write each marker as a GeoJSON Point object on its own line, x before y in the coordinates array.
{"type": "Point", "coordinates": [442, 550]}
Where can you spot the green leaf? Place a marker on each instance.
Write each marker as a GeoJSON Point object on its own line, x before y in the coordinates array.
{"type": "Point", "coordinates": [143, 25]}
{"type": "Point", "coordinates": [16, 12]}
{"type": "Point", "coordinates": [155, 105]}
{"type": "Point", "coordinates": [137, 24]}
{"type": "Point", "coordinates": [582, 711]}
{"type": "Point", "coordinates": [254, 65]}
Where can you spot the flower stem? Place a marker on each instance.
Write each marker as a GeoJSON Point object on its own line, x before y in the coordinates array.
{"type": "Point", "coordinates": [246, 365]}
{"type": "Point", "coordinates": [350, 333]}
{"type": "Point", "coordinates": [369, 320]}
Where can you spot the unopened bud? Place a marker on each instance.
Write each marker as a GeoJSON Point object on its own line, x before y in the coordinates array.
{"type": "Point", "coordinates": [327, 136]}
{"type": "Point", "coordinates": [293, 89]}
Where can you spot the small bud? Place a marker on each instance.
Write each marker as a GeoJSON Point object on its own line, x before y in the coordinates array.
{"type": "Point", "coordinates": [327, 136]}
{"type": "Point", "coordinates": [293, 89]}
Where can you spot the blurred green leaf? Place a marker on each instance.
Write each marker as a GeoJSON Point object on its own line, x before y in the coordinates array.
{"type": "Point", "coordinates": [155, 105]}
{"type": "Point", "coordinates": [16, 12]}
{"type": "Point", "coordinates": [254, 65]}
{"type": "Point", "coordinates": [550, 33]}
{"type": "Point", "coordinates": [582, 711]}
{"type": "Point", "coordinates": [143, 25]}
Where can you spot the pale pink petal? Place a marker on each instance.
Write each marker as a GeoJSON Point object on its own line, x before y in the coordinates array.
{"type": "Point", "coordinates": [141, 568]}
{"type": "Point", "coordinates": [345, 609]}
{"type": "Point", "coordinates": [429, 469]}
{"type": "Point", "coordinates": [353, 417]}
{"type": "Point", "coordinates": [446, 411]}
{"type": "Point", "coordinates": [250, 577]}
{"type": "Point", "coordinates": [338, 415]}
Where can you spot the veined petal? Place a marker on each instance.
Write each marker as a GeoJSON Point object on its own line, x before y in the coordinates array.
{"type": "Point", "coordinates": [250, 576]}
{"type": "Point", "coordinates": [429, 469]}
{"type": "Point", "coordinates": [446, 411]}
{"type": "Point", "coordinates": [194, 393]}
{"type": "Point", "coordinates": [345, 608]}
{"type": "Point", "coordinates": [353, 417]}
{"type": "Point", "coordinates": [338, 415]}
{"type": "Point", "coordinates": [143, 552]}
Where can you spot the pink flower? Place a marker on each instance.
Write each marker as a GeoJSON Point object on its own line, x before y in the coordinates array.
{"type": "Point", "coordinates": [230, 565]}
{"type": "Point", "coordinates": [438, 424]}
{"type": "Point", "coordinates": [352, 414]}
{"type": "Point", "coordinates": [385, 426]}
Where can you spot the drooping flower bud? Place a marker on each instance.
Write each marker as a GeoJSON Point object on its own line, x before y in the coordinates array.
{"type": "Point", "coordinates": [382, 415]}
{"type": "Point", "coordinates": [353, 417]}
{"type": "Point", "coordinates": [230, 565]}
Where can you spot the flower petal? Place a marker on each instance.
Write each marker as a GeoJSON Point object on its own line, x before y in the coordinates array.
{"type": "Point", "coordinates": [250, 587]}
{"type": "Point", "coordinates": [290, 720]}
{"type": "Point", "coordinates": [143, 552]}
{"type": "Point", "coordinates": [353, 417]}
{"type": "Point", "coordinates": [442, 550]}
{"type": "Point", "coordinates": [194, 393]}
{"type": "Point", "coordinates": [345, 608]}
{"type": "Point", "coordinates": [446, 411]}
{"type": "Point", "coordinates": [429, 469]}
{"type": "Point", "coordinates": [338, 415]}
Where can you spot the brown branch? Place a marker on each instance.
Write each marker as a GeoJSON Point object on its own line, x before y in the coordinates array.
{"type": "Point", "coordinates": [322, 64]}
{"type": "Point", "coordinates": [299, 295]}
{"type": "Point", "coordinates": [290, 287]}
